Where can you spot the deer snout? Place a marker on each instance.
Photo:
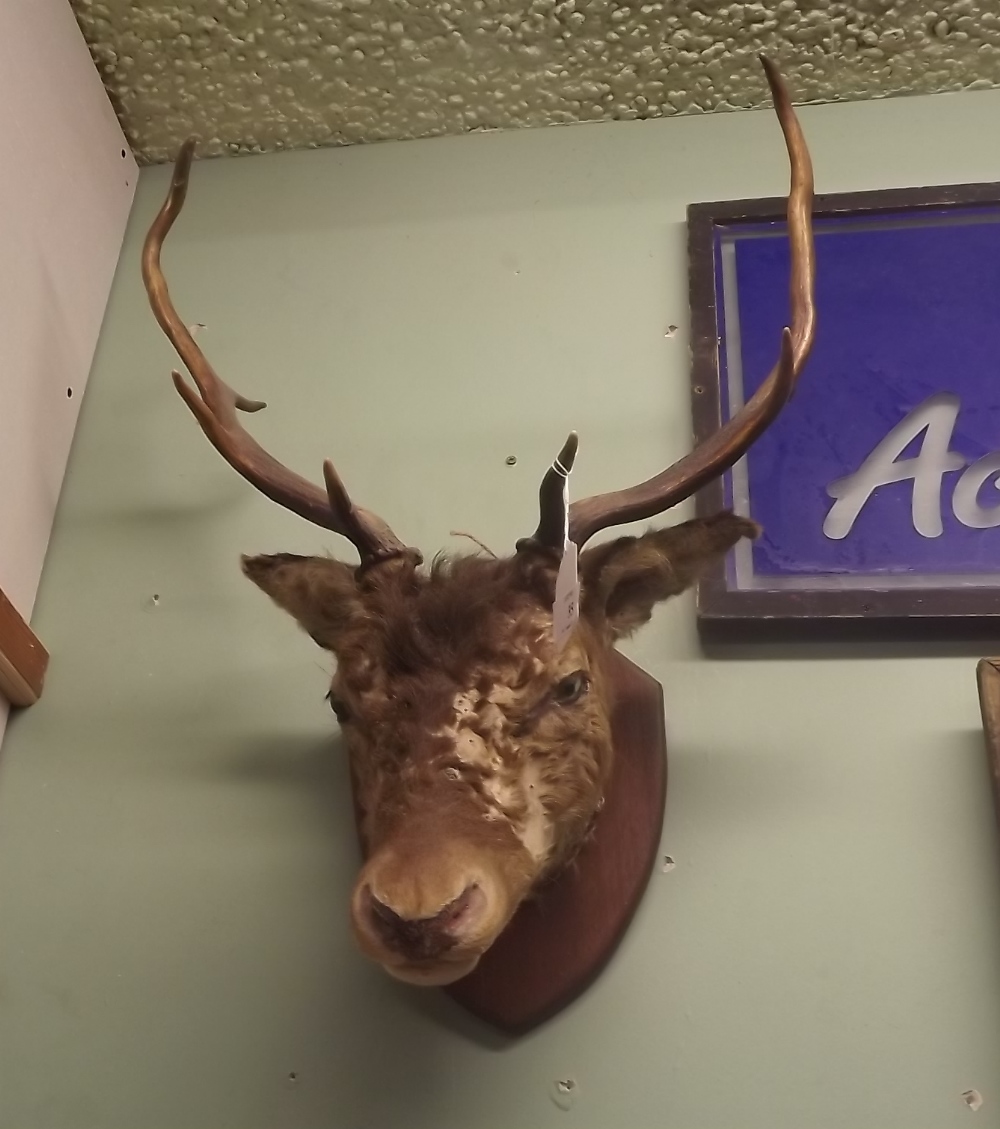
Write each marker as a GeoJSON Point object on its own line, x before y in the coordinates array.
{"type": "Point", "coordinates": [409, 919]}
{"type": "Point", "coordinates": [426, 938]}
{"type": "Point", "coordinates": [427, 905]}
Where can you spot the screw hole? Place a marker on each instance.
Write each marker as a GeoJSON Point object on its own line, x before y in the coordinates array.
{"type": "Point", "coordinates": [69, 393]}
{"type": "Point", "coordinates": [564, 1092]}
{"type": "Point", "coordinates": [123, 154]}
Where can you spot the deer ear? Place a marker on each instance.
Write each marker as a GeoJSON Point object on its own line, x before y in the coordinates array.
{"type": "Point", "coordinates": [623, 579]}
{"type": "Point", "coordinates": [320, 593]}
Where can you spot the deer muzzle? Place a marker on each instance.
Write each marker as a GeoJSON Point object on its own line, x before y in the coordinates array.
{"type": "Point", "coordinates": [428, 922]}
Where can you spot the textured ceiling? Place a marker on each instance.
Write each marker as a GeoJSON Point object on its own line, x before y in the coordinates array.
{"type": "Point", "coordinates": [253, 75]}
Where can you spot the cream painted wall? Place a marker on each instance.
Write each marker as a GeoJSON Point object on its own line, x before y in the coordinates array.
{"type": "Point", "coordinates": [175, 843]}
{"type": "Point", "coordinates": [67, 179]}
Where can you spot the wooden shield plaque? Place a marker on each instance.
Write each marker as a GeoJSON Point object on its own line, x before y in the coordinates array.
{"type": "Point", "coordinates": [558, 943]}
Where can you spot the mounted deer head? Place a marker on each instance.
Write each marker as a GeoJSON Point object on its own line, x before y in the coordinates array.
{"type": "Point", "coordinates": [478, 748]}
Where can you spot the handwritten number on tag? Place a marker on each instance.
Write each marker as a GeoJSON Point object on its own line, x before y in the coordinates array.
{"type": "Point", "coordinates": [567, 606]}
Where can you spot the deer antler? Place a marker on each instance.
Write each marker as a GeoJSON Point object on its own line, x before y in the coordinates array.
{"type": "Point", "coordinates": [214, 405]}
{"type": "Point", "coordinates": [716, 454]}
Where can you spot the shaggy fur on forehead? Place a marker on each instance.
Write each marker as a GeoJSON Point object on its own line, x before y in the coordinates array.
{"type": "Point", "coordinates": [457, 615]}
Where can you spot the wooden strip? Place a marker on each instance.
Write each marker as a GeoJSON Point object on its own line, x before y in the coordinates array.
{"type": "Point", "coordinates": [988, 678]}
{"type": "Point", "coordinates": [23, 659]}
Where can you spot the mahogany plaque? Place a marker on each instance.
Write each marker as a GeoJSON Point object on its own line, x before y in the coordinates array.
{"type": "Point", "coordinates": [557, 944]}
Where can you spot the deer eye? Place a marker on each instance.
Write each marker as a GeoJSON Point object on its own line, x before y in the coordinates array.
{"type": "Point", "coordinates": [341, 712]}
{"type": "Point", "coordinates": [571, 688]}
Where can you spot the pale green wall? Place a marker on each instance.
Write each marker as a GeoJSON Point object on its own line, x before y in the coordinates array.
{"type": "Point", "coordinates": [175, 843]}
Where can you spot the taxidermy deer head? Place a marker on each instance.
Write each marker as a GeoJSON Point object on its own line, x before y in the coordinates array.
{"type": "Point", "coordinates": [479, 747]}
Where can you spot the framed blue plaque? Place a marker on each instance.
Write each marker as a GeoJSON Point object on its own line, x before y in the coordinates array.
{"type": "Point", "coordinates": [878, 487]}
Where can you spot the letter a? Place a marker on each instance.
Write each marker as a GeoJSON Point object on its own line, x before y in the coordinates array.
{"type": "Point", "coordinates": [936, 417]}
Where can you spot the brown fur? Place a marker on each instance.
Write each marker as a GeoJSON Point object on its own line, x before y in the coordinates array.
{"type": "Point", "coordinates": [475, 778]}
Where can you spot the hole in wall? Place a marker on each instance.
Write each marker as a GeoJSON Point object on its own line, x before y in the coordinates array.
{"type": "Point", "coordinates": [69, 393]}
{"type": "Point", "coordinates": [973, 1099]}
{"type": "Point", "coordinates": [563, 1093]}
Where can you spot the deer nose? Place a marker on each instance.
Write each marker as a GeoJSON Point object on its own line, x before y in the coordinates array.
{"type": "Point", "coordinates": [425, 938]}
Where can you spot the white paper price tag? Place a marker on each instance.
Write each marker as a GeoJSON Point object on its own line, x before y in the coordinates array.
{"type": "Point", "coordinates": [566, 609]}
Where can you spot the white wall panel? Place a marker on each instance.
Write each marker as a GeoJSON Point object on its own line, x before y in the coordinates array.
{"type": "Point", "coordinates": [67, 178]}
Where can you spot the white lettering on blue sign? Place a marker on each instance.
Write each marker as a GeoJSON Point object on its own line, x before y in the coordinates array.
{"type": "Point", "coordinates": [935, 418]}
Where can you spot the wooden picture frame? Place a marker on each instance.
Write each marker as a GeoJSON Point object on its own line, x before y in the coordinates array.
{"type": "Point", "coordinates": [23, 659]}
{"type": "Point", "coordinates": [988, 680]}
{"type": "Point", "coordinates": [846, 601]}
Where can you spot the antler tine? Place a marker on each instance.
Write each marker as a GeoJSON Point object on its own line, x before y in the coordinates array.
{"type": "Point", "coordinates": [214, 404]}
{"type": "Point", "coordinates": [714, 456]}
{"type": "Point", "coordinates": [551, 531]}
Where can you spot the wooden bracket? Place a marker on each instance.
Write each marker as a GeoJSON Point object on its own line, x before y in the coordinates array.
{"type": "Point", "coordinates": [23, 659]}
{"type": "Point", "coordinates": [988, 680]}
{"type": "Point", "coordinates": [557, 944]}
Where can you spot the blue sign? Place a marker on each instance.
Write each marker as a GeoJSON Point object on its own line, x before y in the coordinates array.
{"type": "Point", "coordinates": [884, 470]}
